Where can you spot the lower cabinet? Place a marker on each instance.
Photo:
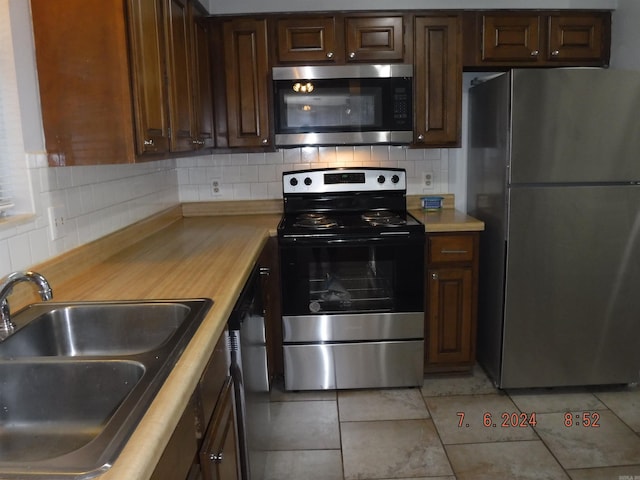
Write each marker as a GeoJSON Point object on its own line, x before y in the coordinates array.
{"type": "Point", "coordinates": [219, 452]}
{"type": "Point", "coordinates": [451, 301]}
{"type": "Point", "coordinates": [204, 443]}
{"type": "Point", "coordinates": [177, 458]}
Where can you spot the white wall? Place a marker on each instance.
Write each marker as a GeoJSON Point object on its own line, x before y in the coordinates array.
{"type": "Point", "coordinates": [625, 41]}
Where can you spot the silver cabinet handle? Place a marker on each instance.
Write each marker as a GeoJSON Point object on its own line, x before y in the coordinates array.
{"type": "Point", "coordinates": [454, 252]}
{"type": "Point", "coordinates": [352, 55]}
{"type": "Point", "coordinates": [215, 457]}
{"type": "Point", "coordinates": [149, 143]}
{"type": "Point", "coordinates": [329, 54]}
{"type": "Point", "coordinates": [555, 53]}
{"type": "Point", "coordinates": [535, 53]}
{"type": "Point", "coordinates": [198, 142]}
{"type": "Point", "coordinates": [265, 271]}
{"type": "Point", "coordinates": [434, 276]}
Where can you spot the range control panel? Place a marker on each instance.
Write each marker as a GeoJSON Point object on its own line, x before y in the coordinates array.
{"type": "Point", "coordinates": [336, 180]}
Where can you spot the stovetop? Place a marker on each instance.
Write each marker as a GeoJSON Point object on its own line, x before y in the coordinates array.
{"type": "Point", "coordinates": [346, 203]}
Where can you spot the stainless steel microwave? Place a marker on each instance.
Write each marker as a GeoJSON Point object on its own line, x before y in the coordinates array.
{"type": "Point", "coordinates": [343, 105]}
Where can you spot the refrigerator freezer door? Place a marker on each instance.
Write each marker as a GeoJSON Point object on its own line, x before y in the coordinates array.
{"type": "Point", "coordinates": [575, 125]}
{"type": "Point", "coordinates": [572, 308]}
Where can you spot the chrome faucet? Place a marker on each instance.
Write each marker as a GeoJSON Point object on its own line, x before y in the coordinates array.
{"type": "Point", "coordinates": [6, 287]}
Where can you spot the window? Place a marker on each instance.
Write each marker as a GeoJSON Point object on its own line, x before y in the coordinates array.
{"type": "Point", "coordinates": [7, 79]}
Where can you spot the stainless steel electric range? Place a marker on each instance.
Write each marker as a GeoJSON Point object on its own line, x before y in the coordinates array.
{"type": "Point", "coordinates": [352, 280]}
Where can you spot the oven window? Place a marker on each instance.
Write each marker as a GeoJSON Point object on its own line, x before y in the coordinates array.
{"type": "Point", "coordinates": [352, 279]}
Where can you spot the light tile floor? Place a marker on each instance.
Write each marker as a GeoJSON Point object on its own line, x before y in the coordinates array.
{"type": "Point", "coordinates": [438, 432]}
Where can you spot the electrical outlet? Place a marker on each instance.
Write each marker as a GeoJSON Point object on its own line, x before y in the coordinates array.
{"type": "Point", "coordinates": [56, 222]}
{"type": "Point", "coordinates": [216, 187]}
{"type": "Point", "coordinates": [428, 180]}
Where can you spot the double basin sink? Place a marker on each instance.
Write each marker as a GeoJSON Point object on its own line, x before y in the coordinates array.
{"type": "Point", "coordinates": [76, 378]}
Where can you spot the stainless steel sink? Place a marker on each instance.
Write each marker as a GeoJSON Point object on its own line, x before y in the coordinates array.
{"type": "Point", "coordinates": [93, 329]}
{"type": "Point", "coordinates": [76, 378]}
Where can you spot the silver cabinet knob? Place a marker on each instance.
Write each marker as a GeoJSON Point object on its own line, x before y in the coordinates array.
{"type": "Point", "coordinates": [420, 137]}
{"type": "Point", "coordinates": [434, 276]}
{"type": "Point", "coordinates": [352, 55]}
{"type": "Point", "coordinates": [265, 141]}
{"type": "Point", "coordinates": [555, 53]}
{"type": "Point", "coordinates": [149, 143]}
{"type": "Point", "coordinates": [329, 54]}
{"type": "Point", "coordinates": [535, 53]}
{"type": "Point", "coordinates": [215, 457]}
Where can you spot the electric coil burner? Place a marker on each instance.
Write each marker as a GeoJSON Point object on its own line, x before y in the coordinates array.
{"type": "Point", "coordinates": [352, 280]}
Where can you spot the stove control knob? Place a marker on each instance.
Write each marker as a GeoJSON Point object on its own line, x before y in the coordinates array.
{"type": "Point", "coordinates": [381, 179]}
{"type": "Point", "coordinates": [395, 179]}
{"type": "Point", "coordinates": [293, 182]}
{"type": "Point", "coordinates": [307, 181]}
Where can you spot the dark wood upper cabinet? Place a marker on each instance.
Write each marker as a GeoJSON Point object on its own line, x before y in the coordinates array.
{"type": "Point", "coordinates": [583, 38]}
{"type": "Point", "coordinates": [374, 39]}
{"type": "Point", "coordinates": [307, 40]}
{"type": "Point", "coordinates": [136, 99]}
{"type": "Point", "coordinates": [180, 75]}
{"type": "Point", "coordinates": [246, 65]}
{"type": "Point", "coordinates": [339, 39]}
{"type": "Point", "coordinates": [85, 91]}
{"type": "Point", "coordinates": [150, 94]}
{"type": "Point", "coordinates": [511, 38]}
{"type": "Point", "coordinates": [203, 91]}
{"type": "Point", "coordinates": [537, 38]}
{"type": "Point", "coordinates": [437, 80]}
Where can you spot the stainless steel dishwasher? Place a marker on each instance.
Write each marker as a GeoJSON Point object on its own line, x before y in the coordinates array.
{"type": "Point", "coordinates": [250, 377]}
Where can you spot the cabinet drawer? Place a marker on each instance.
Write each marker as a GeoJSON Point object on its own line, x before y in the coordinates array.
{"type": "Point", "coordinates": [450, 248]}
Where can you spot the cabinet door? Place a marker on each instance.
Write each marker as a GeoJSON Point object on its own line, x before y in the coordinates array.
{"type": "Point", "coordinates": [511, 37]}
{"type": "Point", "coordinates": [374, 38]}
{"type": "Point", "coordinates": [182, 449]}
{"type": "Point", "coordinates": [203, 95]}
{"type": "Point", "coordinates": [450, 332]}
{"type": "Point", "coordinates": [308, 40]}
{"type": "Point", "coordinates": [576, 37]}
{"type": "Point", "coordinates": [179, 72]}
{"type": "Point", "coordinates": [147, 45]}
{"type": "Point", "coordinates": [85, 90]}
{"type": "Point", "coordinates": [246, 71]}
{"type": "Point", "coordinates": [218, 457]}
{"type": "Point", "coordinates": [438, 80]}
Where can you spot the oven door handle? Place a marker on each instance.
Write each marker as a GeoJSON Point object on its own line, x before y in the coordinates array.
{"type": "Point", "coordinates": [386, 238]}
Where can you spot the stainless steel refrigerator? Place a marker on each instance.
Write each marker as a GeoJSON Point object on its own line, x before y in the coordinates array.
{"type": "Point", "coordinates": [554, 172]}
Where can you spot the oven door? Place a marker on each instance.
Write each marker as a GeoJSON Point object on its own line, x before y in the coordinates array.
{"type": "Point", "coordinates": [352, 277]}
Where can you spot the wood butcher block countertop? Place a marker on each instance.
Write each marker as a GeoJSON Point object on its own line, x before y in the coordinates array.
{"type": "Point", "coordinates": [186, 252]}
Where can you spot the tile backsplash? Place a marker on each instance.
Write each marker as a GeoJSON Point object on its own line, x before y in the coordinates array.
{"type": "Point", "coordinates": [254, 176]}
{"type": "Point", "coordinates": [97, 200]}
{"type": "Point", "coordinates": [92, 200]}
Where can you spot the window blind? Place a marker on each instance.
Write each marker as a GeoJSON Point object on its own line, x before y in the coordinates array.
{"type": "Point", "coordinates": [9, 107]}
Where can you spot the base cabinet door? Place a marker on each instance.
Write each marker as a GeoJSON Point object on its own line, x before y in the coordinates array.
{"type": "Point", "coordinates": [177, 459]}
{"type": "Point", "coordinates": [218, 455]}
{"type": "Point", "coordinates": [450, 297]}
{"type": "Point", "coordinates": [451, 301]}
